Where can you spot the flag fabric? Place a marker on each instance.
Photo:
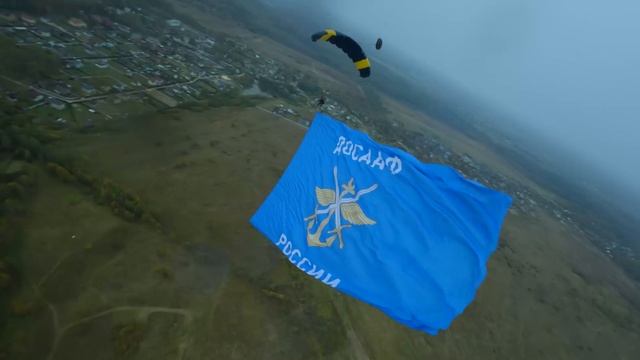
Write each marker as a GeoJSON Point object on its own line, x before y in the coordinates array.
{"type": "Point", "coordinates": [372, 221]}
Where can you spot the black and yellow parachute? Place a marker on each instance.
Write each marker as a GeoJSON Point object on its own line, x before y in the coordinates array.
{"type": "Point", "coordinates": [349, 46]}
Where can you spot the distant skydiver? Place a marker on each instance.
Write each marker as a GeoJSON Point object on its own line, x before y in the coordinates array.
{"type": "Point", "coordinates": [378, 44]}
{"type": "Point", "coordinates": [348, 46]}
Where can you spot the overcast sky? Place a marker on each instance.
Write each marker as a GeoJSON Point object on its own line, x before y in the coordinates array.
{"type": "Point", "coordinates": [569, 68]}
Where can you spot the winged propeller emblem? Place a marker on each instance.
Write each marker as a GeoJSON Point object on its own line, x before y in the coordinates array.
{"type": "Point", "coordinates": [341, 206]}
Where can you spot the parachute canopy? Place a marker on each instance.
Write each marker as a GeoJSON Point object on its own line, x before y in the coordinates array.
{"type": "Point", "coordinates": [378, 44]}
{"type": "Point", "coordinates": [348, 46]}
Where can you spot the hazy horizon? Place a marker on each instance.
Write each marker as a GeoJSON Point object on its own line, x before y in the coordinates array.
{"type": "Point", "coordinates": [567, 71]}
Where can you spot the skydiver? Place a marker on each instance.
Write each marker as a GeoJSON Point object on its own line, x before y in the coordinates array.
{"type": "Point", "coordinates": [378, 44]}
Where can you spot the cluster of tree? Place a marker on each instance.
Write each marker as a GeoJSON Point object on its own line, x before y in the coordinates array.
{"type": "Point", "coordinates": [309, 85]}
{"type": "Point", "coordinates": [19, 137]}
{"type": "Point", "coordinates": [276, 88]}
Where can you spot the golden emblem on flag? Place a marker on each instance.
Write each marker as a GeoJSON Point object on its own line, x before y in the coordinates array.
{"type": "Point", "coordinates": [336, 205]}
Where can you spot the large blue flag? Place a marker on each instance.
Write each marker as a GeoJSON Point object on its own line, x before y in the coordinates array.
{"type": "Point", "coordinates": [372, 221]}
